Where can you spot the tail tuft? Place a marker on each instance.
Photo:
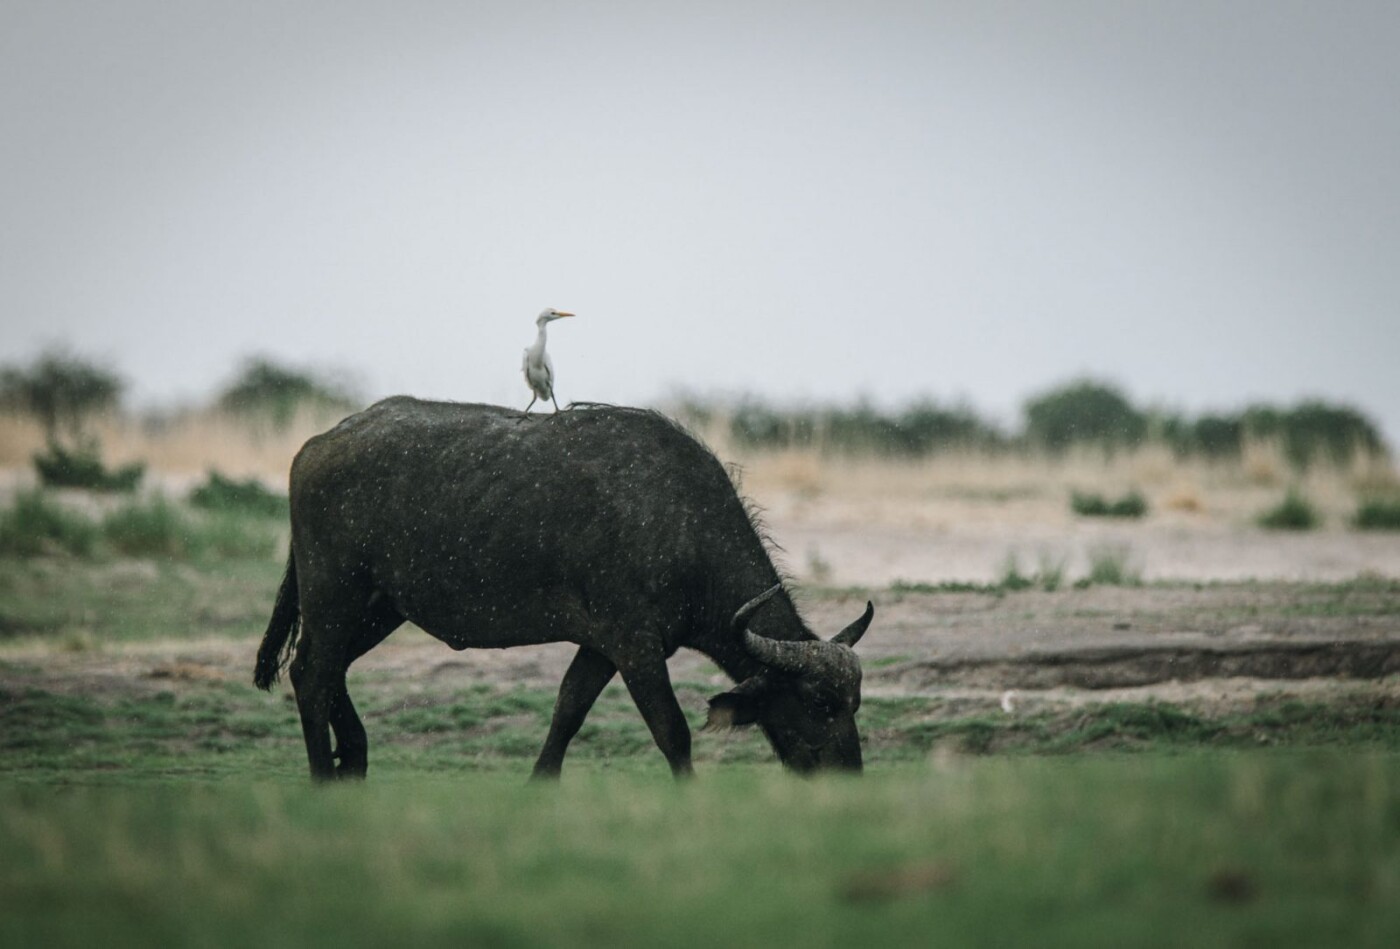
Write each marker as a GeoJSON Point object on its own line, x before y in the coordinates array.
{"type": "Point", "coordinates": [282, 629]}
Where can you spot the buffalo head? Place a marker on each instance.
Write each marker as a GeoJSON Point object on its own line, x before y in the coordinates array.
{"type": "Point", "coordinates": [806, 698]}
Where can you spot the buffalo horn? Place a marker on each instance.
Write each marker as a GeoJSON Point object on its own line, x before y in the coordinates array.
{"type": "Point", "coordinates": [741, 618]}
{"type": "Point", "coordinates": [851, 634]}
{"type": "Point", "coordinates": [794, 658]}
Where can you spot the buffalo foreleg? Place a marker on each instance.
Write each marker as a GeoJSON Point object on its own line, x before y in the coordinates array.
{"type": "Point", "coordinates": [588, 674]}
{"type": "Point", "coordinates": [650, 686]}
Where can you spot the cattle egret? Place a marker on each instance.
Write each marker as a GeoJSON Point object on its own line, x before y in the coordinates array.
{"type": "Point", "coordinates": [538, 369]}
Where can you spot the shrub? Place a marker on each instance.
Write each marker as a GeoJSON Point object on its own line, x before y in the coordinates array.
{"type": "Point", "coordinates": [34, 524]}
{"type": "Point", "coordinates": [266, 390]}
{"type": "Point", "coordinates": [1083, 412]}
{"type": "Point", "coordinates": [1378, 514]}
{"type": "Point", "coordinates": [1294, 513]}
{"type": "Point", "coordinates": [61, 391]}
{"type": "Point", "coordinates": [756, 425]}
{"type": "Point", "coordinates": [222, 494]}
{"type": "Point", "coordinates": [1132, 504]}
{"type": "Point", "coordinates": [923, 428]}
{"type": "Point", "coordinates": [1315, 431]}
{"type": "Point", "coordinates": [83, 468]}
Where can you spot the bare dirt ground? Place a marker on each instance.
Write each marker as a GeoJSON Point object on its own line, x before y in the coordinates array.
{"type": "Point", "coordinates": [1215, 648]}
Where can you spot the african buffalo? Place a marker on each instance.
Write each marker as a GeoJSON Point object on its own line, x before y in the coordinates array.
{"type": "Point", "coordinates": [603, 526]}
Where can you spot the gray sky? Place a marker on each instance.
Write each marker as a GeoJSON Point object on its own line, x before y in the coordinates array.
{"type": "Point", "coordinates": [1199, 200]}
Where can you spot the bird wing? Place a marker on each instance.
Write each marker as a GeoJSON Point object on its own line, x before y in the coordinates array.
{"type": "Point", "coordinates": [548, 366]}
{"type": "Point", "coordinates": [539, 373]}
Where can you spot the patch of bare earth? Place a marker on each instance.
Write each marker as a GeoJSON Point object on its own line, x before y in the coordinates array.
{"type": "Point", "coordinates": [1214, 648]}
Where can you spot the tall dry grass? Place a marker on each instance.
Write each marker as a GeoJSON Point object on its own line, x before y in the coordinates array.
{"type": "Point", "coordinates": [181, 447]}
{"type": "Point", "coordinates": [871, 489]}
{"type": "Point", "coordinates": [922, 491]}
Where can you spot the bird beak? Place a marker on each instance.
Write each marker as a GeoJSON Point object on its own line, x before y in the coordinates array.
{"type": "Point", "coordinates": [557, 313]}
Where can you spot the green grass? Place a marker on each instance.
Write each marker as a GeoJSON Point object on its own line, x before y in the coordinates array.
{"type": "Point", "coordinates": [1199, 849]}
{"type": "Point", "coordinates": [170, 805]}
{"type": "Point", "coordinates": [95, 603]}
{"type": "Point", "coordinates": [1111, 565]}
{"type": "Point", "coordinates": [34, 524]}
{"type": "Point", "coordinates": [154, 527]}
{"type": "Point", "coordinates": [214, 724]}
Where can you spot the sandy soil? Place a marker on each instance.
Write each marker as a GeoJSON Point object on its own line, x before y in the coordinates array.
{"type": "Point", "coordinates": [881, 554]}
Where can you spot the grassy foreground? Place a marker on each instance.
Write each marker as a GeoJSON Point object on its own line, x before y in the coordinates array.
{"type": "Point", "coordinates": [1206, 848]}
{"type": "Point", "coordinates": [150, 796]}
{"type": "Point", "coordinates": [179, 814]}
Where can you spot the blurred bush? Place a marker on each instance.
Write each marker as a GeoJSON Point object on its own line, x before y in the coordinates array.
{"type": "Point", "coordinates": [1081, 414]}
{"type": "Point", "coordinates": [226, 495]}
{"type": "Point", "coordinates": [61, 391]}
{"type": "Point", "coordinates": [923, 428]}
{"type": "Point", "coordinates": [1132, 504]}
{"type": "Point", "coordinates": [83, 468]}
{"type": "Point", "coordinates": [1294, 513]}
{"type": "Point", "coordinates": [266, 391]}
{"type": "Point", "coordinates": [1084, 412]}
{"type": "Point", "coordinates": [1315, 431]}
{"type": "Point", "coordinates": [1378, 514]}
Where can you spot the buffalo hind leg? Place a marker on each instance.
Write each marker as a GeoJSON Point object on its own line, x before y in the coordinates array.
{"type": "Point", "coordinates": [650, 687]}
{"type": "Point", "coordinates": [318, 677]}
{"type": "Point", "coordinates": [323, 657]}
{"type": "Point", "coordinates": [588, 674]}
{"type": "Point", "coordinates": [351, 743]}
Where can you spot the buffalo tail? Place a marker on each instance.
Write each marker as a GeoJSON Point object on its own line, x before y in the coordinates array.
{"type": "Point", "coordinates": [282, 628]}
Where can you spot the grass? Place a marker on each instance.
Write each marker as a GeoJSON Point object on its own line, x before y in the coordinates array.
{"type": "Point", "coordinates": [178, 812]}
{"type": "Point", "coordinates": [97, 603]}
{"type": "Point", "coordinates": [1201, 849]}
{"type": "Point", "coordinates": [1111, 565]}
{"type": "Point", "coordinates": [33, 525]}
{"type": "Point", "coordinates": [157, 798]}
{"type": "Point", "coordinates": [36, 523]}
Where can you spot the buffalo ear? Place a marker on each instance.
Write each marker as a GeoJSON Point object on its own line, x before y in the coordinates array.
{"type": "Point", "coordinates": [735, 708]}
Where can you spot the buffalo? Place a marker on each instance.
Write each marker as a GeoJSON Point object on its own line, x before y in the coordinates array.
{"type": "Point", "coordinates": [604, 526]}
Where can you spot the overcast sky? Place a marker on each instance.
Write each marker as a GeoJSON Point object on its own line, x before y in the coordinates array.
{"type": "Point", "coordinates": [1197, 200]}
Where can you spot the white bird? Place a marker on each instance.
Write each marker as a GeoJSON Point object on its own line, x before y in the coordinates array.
{"type": "Point", "coordinates": [539, 371]}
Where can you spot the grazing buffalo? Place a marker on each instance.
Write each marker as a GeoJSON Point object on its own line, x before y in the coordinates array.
{"type": "Point", "coordinates": [602, 526]}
